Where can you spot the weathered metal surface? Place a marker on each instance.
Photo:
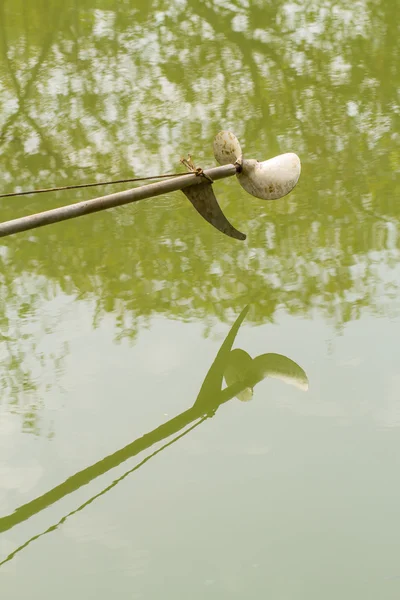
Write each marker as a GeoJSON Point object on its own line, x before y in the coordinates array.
{"type": "Point", "coordinates": [271, 179]}
{"type": "Point", "coordinates": [268, 180]}
{"type": "Point", "coordinates": [112, 200]}
{"type": "Point", "coordinates": [203, 199]}
{"type": "Point", "coordinates": [226, 148]}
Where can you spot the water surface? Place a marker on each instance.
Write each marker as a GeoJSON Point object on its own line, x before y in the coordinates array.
{"type": "Point", "coordinates": [111, 481]}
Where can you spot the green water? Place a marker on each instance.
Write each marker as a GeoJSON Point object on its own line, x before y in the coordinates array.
{"type": "Point", "coordinates": [126, 470]}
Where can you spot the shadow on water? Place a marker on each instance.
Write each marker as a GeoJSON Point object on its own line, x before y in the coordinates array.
{"type": "Point", "coordinates": [241, 374]}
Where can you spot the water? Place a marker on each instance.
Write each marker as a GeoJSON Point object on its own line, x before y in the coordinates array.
{"type": "Point", "coordinates": [110, 323]}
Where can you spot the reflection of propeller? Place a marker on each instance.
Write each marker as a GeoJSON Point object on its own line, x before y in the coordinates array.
{"type": "Point", "coordinates": [236, 371]}
{"type": "Point", "coordinates": [242, 369]}
{"type": "Point", "coordinates": [241, 373]}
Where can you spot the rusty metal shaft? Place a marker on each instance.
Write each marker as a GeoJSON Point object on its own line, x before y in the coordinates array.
{"type": "Point", "coordinates": [87, 207]}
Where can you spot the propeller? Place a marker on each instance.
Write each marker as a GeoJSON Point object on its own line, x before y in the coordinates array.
{"type": "Point", "coordinates": [267, 180]}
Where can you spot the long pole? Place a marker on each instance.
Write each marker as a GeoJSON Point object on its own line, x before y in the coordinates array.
{"type": "Point", "coordinates": [87, 207]}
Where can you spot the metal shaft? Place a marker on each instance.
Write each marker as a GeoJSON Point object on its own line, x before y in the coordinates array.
{"type": "Point", "coordinates": [111, 200]}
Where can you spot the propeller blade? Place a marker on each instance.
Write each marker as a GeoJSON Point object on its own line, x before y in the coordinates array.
{"type": "Point", "coordinates": [271, 179]}
{"type": "Point", "coordinates": [203, 199]}
{"type": "Point", "coordinates": [226, 148]}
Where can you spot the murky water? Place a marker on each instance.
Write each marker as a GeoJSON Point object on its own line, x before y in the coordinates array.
{"type": "Point", "coordinates": [125, 470]}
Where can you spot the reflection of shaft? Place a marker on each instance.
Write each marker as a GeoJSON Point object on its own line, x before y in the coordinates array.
{"type": "Point", "coordinates": [112, 200]}
{"type": "Point", "coordinates": [87, 475]}
{"type": "Point", "coordinates": [209, 399]}
{"type": "Point", "coordinates": [106, 464]}
{"type": "Point", "coordinates": [107, 489]}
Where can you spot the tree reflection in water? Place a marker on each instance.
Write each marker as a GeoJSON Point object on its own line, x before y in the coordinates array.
{"type": "Point", "coordinates": [92, 92]}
